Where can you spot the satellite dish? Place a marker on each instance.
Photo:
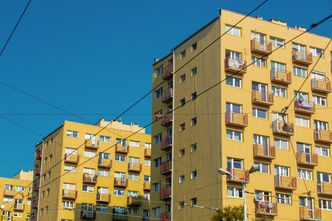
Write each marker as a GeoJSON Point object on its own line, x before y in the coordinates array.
{"type": "Point", "coordinates": [2, 207]}
{"type": "Point", "coordinates": [259, 196]}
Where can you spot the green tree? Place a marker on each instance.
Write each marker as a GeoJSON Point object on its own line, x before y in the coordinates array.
{"type": "Point", "coordinates": [229, 213]}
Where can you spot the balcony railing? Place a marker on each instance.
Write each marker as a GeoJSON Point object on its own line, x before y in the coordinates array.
{"type": "Point", "coordinates": [69, 194]}
{"type": "Point", "coordinates": [240, 174]}
{"type": "Point", "coordinates": [165, 216]}
{"type": "Point", "coordinates": [92, 144]}
{"type": "Point", "coordinates": [167, 95]}
{"type": "Point", "coordinates": [134, 200]}
{"type": "Point", "coordinates": [166, 167]}
{"type": "Point", "coordinates": [166, 143]}
{"type": "Point", "coordinates": [37, 171]}
{"type": "Point", "coordinates": [235, 66]}
{"type": "Point", "coordinates": [321, 86]}
{"type": "Point", "coordinates": [103, 198]}
{"type": "Point", "coordinates": [285, 182]}
{"type": "Point", "coordinates": [19, 206]}
{"type": "Point", "coordinates": [262, 98]}
{"type": "Point", "coordinates": [135, 167]}
{"type": "Point", "coordinates": [304, 107]}
{"type": "Point", "coordinates": [105, 163]}
{"type": "Point", "coordinates": [266, 208]}
{"type": "Point", "coordinates": [34, 204]}
{"type": "Point", "coordinates": [165, 193]}
{"type": "Point", "coordinates": [279, 127]}
{"type": "Point", "coordinates": [120, 182]}
{"type": "Point", "coordinates": [89, 178]}
{"type": "Point", "coordinates": [281, 77]}
{"type": "Point", "coordinates": [324, 189]}
{"type": "Point", "coordinates": [147, 152]}
{"type": "Point", "coordinates": [307, 159]}
{"type": "Point", "coordinates": [167, 72]}
{"type": "Point", "coordinates": [302, 58]}
{"type": "Point", "coordinates": [71, 158]}
{"type": "Point", "coordinates": [9, 192]}
{"type": "Point", "coordinates": [265, 152]}
{"type": "Point", "coordinates": [324, 136]}
{"type": "Point", "coordinates": [167, 120]}
{"type": "Point", "coordinates": [308, 214]}
{"type": "Point", "coordinates": [38, 155]}
{"type": "Point", "coordinates": [236, 119]}
{"type": "Point", "coordinates": [147, 186]}
{"type": "Point", "coordinates": [259, 48]}
{"type": "Point", "coordinates": [119, 148]}
{"type": "Point", "coordinates": [88, 214]}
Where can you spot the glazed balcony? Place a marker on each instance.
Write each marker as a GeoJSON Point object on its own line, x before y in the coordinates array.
{"type": "Point", "coordinates": [285, 182]}
{"type": "Point", "coordinates": [165, 216]}
{"type": "Point", "coordinates": [38, 155]}
{"type": "Point", "coordinates": [259, 48]}
{"type": "Point", "coordinates": [240, 174]}
{"type": "Point", "coordinates": [324, 189]}
{"type": "Point", "coordinates": [264, 152]}
{"type": "Point", "coordinates": [167, 95]}
{"type": "Point", "coordinates": [105, 163]}
{"type": "Point", "coordinates": [103, 198]}
{"type": "Point", "coordinates": [167, 72]}
{"type": "Point", "coordinates": [302, 58]}
{"type": "Point", "coordinates": [88, 214]}
{"type": "Point", "coordinates": [134, 200]}
{"type": "Point", "coordinates": [9, 193]}
{"type": "Point", "coordinates": [280, 128]}
{"type": "Point", "coordinates": [19, 207]}
{"type": "Point", "coordinates": [92, 144]}
{"type": "Point", "coordinates": [89, 178]}
{"type": "Point", "coordinates": [69, 194]}
{"type": "Point", "coordinates": [37, 171]}
{"type": "Point", "coordinates": [120, 182]}
{"type": "Point", "coordinates": [147, 153]}
{"type": "Point", "coordinates": [281, 77]}
{"type": "Point", "coordinates": [307, 214]}
{"type": "Point", "coordinates": [165, 193]}
{"type": "Point", "coordinates": [236, 119]}
{"type": "Point", "coordinates": [147, 186]}
{"type": "Point", "coordinates": [119, 148]}
{"type": "Point", "coordinates": [71, 158]}
{"type": "Point", "coordinates": [167, 120]}
{"type": "Point", "coordinates": [321, 86]}
{"type": "Point", "coordinates": [304, 107]}
{"type": "Point", "coordinates": [166, 167]}
{"type": "Point", "coordinates": [266, 208]}
{"type": "Point", "coordinates": [307, 159]}
{"type": "Point", "coordinates": [258, 97]}
{"type": "Point", "coordinates": [135, 167]}
{"type": "Point", "coordinates": [235, 66]}
{"type": "Point", "coordinates": [323, 136]}
{"type": "Point", "coordinates": [166, 143]}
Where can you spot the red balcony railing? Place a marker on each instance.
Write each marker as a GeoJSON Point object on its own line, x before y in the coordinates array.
{"type": "Point", "coordinates": [167, 72]}
{"type": "Point", "coordinates": [166, 167]}
{"type": "Point", "coordinates": [167, 95]}
{"type": "Point", "coordinates": [166, 143]}
{"type": "Point", "coordinates": [165, 193]}
{"type": "Point", "coordinates": [167, 120]}
{"type": "Point", "coordinates": [37, 171]}
{"type": "Point", "coordinates": [38, 155]}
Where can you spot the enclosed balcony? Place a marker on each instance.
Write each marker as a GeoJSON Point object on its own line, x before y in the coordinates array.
{"type": "Point", "coordinates": [302, 58]}
{"type": "Point", "coordinates": [285, 182]}
{"type": "Point", "coordinates": [321, 86]}
{"type": "Point", "coordinates": [166, 143]}
{"type": "Point", "coordinates": [309, 214]}
{"type": "Point", "coordinates": [69, 194]}
{"type": "Point", "coordinates": [260, 48]}
{"type": "Point", "coordinates": [134, 200]}
{"type": "Point", "coordinates": [167, 95]}
{"type": "Point", "coordinates": [92, 144]}
{"type": "Point", "coordinates": [122, 149]}
{"type": "Point", "coordinates": [324, 189]}
{"type": "Point", "coordinates": [38, 155]}
{"type": "Point", "coordinates": [9, 193]}
{"type": "Point", "coordinates": [89, 178]}
{"type": "Point", "coordinates": [167, 71]}
{"type": "Point", "coordinates": [240, 174]}
{"type": "Point", "coordinates": [264, 152]}
{"type": "Point", "coordinates": [71, 158]}
{"type": "Point", "coordinates": [120, 182]}
{"type": "Point", "coordinates": [235, 66]}
{"type": "Point", "coordinates": [103, 198]}
{"type": "Point", "coordinates": [147, 153]}
{"type": "Point", "coordinates": [307, 159]}
{"type": "Point", "coordinates": [105, 163]}
{"type": "Point", "coordinates": [165, 193]}
{"type": "Point", "coordinates": [282, 128]}
{"type": "Point", "coordinates": [147, 186]}
{"type": "Point", "coordinates": [304, 107]}
{"type": "Point", "coordinates": [135, 167]}
{"type": "Point", "coordinates": [261, 98]}
{"type": "Point", "coordinates": [266, 208]}
{"type": "Point", "coordinates": [165, 216]}
{"type": "Point", "coordinates": [236, 119]}
{"type": "Point", "coordinates": [167, 120]}
{"type": "Point", "coordinates": [323, 136]}
{"type": "Point", "coordinates": [166, 167]}
{"type": "Point", "coordinates": [281, 77]}
{"type": "Point", "coordinates": [19, 207]}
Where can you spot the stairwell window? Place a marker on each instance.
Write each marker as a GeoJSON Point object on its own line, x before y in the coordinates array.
{"type": "Point", "coordinates": [193, 121]}
{"type": "Point", "coordinates": [181, 179]}
{"type": "Point", "coordinates": [156, 211]}
{"type": "Point", "coordinates": [182, 127]}
{"type": "Point", "coordinates": [183, 54]}
{"type": "Point", "coordinates": [183, 78]}
{"type": "Point", "coordinates": [194, 71]}
{"type": "Point", "coordinates": [234, 135]}
{"type": "Point", "coordinates": [234, 31]}
{"type": "Point", "coordinates": [182, 102]}
{"type": "Point", "coordinates": [194, 96]}
{"type": "Point", "coordinates": [194, 47]}
{"type": "Point", "coordinates": [157, 138]}
{"type": "Point", "coordinates": [156, 187]}
{"type": "Point", "coordinates": [193, 174]}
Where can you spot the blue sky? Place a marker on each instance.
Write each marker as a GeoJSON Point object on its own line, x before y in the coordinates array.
{"type": "Point", "coordinates": [95, 57]}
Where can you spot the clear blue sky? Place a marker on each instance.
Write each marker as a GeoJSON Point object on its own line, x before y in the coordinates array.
{"type": "Point", "coordinates": [95, 57]}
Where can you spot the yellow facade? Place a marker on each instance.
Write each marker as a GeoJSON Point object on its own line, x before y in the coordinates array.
{"type": "Point", "coordinates": [110, 173]}
{"type": "Point", "coordinates": [15, 197]}
{"type": "Point", "coordinates": [235, 124]}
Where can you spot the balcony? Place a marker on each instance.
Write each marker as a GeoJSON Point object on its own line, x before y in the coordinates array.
{"type": "Point", "coordinates": [281, 77]}
{"type": "Point", "coordinates": [135, 167]}
{"type": "Point", "coordinates": [71, 158]}
{"type": "Point", "coordinates": [242, 175]}
{"type": "Point", "coordinates": [9, 193]}
{"type": "Point", "coordinates": [119, 148]}
{"type": "Point", "coordinates": [134, 200]}
{"type": "Point", "coordinates": [285, 182]}
{"type": "Point", "coordinates": [323, 136]}
{"type": "Point", "coordinates": [167, 72]}
{"type": "Point", "coordinates": [303, 58]}
{"type": "Point", "coordinates": [166, 167]}
{"type": "Point", "coordinates": [105, 163]}
{"type": "Point", "coordinates": [88, 214]}
{"type": "Point", "coordinates": [120, 182]}
{"type": "Point", "coordinates": [147, 186]}
{"type": "Point", "coordinates": [258, 97]}
{"type": "Point", "coordinates": [324, 189]}
{"type": "Point", "coordinates": [35, 204]}
{"type": "Point", "coordinates": [165, 193]}
{"type": "Point", "coordinates": [266, 208]}
{"type": "Point", "coordinates": [306, 159]}
{"type": "Point", "coordinates": [37, 171]}
{"type": "Point", "coordinates": [147, 153]}
{"type": "Point", "coordinates": [280, 128]}
{"type": "Point", "coordinates": [257, 47]}
{"type": "Point", "coordinates": [264, 152]}
{"type": "Point", "coordinates": [19, 207]}
{"type": "Point", "coordinates": [103, 198]}
{"type": "Point", "coordinates": [165, 216]}
{"type": "Point", "coordinates": [38, 155]}
{"type": "Point", "coordinates": [92, 144]}
{"type": "Point", "coordinates": [69, 194]}
{"type": "Point", "coordinates": [307, 214]}
{"type": "Point", "coordinates": [89, 178]}
{"type": "Point", "coordinates": [304, 107]}
{"type": "Point", "coordinates": [167, 95]}
{"type": "Point", "coordinates": [166, 143]}
{"type": "Point", "coordinates": [236, 119]}
{"type": "Point", "coordinates": [235, 66]}
{"type": "Point", "coordinates": [167, 120]}
{"type": "Point", "coordinates": [29, 195]}
{"type": "Point", "coordinates": [321, 86]}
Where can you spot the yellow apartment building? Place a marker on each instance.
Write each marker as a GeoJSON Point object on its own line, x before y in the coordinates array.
{"type": "Point", "coordinates": [108, 173]}
{"type": "Point", "coordinates": [15, 197]}
{"type": "Point", "coordinates": [227, 115]}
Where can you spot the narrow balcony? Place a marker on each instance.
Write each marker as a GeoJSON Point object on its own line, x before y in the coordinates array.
{"type": "Point", "coordinates": [134, 200]}
{"type": "Point", "coordinates": [266, 208]}
{"type": "Point", "coordinates": [280, 128]}
{"type": "Point", "coordinates": [281, 77]}
{"type": "Point", "coordinates": [324, 189]}
{"type": "Point", "coordinates": [19, 207]}
{"type": "Point", "coordinates": [165, 193]}
{"type": "Point", "coordinates": [38, 155]}
{"type": "Point", "coordinates": [105, 163]}
{"type": "Point", "coordinates": [308, 214]}
{"type": "Point", "coordinates": [323, 136]}
{"type": "Point", "coordinates": [167, 72]}
{"type": "Point", "coordinates": [147, 153]}
{"type": "Point", "coordinates": [307, 159]}
{"type": "Point", "coordinates": [69, 194]}
{"type": "Point", "coordinates": [103, 198]}
{"type": "Point", "coordinates": [167, 95]}
{"type": "Point", "coordinates": [120, 182]}
{"type": "Point", "coordinates": [166, 143]}
{"type": "Point", "coordinates": [304, 107]}
{"type": "Point", "coordinates": [165, 216]}
{"type": "Point", "coordinates": [88, 214]}
{"type": "Point", "coordinates": [264, 152]}
{"type": "Point", "coordinates": [285, 182]}
{"type": "Point", "coordinates": [71, 158]}
{"type": "Point", "coordinates": [258, 97]}
{"type": "Point", "coordinates": [119, 148]}
{"type": "Point", "coordinates": [236, 119]}
{"type": "Point", "coordinates": [89, 178]}
{"type": "Point", "coordinates": [321, 86]}
{"type": "Point", "coordinates": [242, 175]}
{"type": "Point", "coordinates": [259, 48]}
{"type": "Point", "coordinates": [37, 171]}
{"type": "Point", "coordinates": [35, 204]}
{"type": "Point", "coordinates": [235, 66]}
{"type": "Point", "coordinates": [302, 58]}
{"type": "Point", "coordinates": [135, 167]}
{"type": "Point", "coordinates": [166, 167]}
{"type": "Point", "coordinates": [147, 186]}
{"type": "Point", "coordinates": [167, 120]}
{"type": "Point", "coordinates": [92, 144]}
{"type": "Point", "coordinates": [9, 193]}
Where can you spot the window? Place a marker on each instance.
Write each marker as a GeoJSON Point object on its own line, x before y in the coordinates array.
{"type": "Point", "coordinates": [235, 31]}
{"type": "Point", "coordinates": [7, 199]}
{"type": "Point", "coordinates": [233, 81]}
{"type": "Point", "coordinates": [302, 121]}
{"type": "Point", "coordinates": [147, 178]}
{"type": "Point", "coordinates": [319, 100]}
{"type": "Point", "coordinates": [68, 204]}
{"type": "Point", "coordinates": [132, 193]}
{"type": "Point", "coordinates": [181, 179]}
{"type": "Point", "coordinates": [156, 211]}
{"type": "Point", "coordinates": [193, 147]}
{"type": "Point", "coordinates": [235, 108]}
{"type": "Point", "coordinates": [263, 167]}
{"type": "Point", "coordinates": [182, 101]}
{"type": "Point", "coordinates": [70, 168]}
{"type": "Point", "coordinates": [72, 133]}
{"type": "Point", "coordinates": [182, 127]}
{"type": "Point", "coordinates": [183, 78]}
{"type": "Point", "coordinates": [259, 113]}
{"type": "Point", "coordinates": [281, 144]}
{"type": "Point", "coordinates": [105, 139]}
{"type": "Point", "coordinates": [133, 143]}
{"type": "Point", "coordinates": [90, 171]}
{"type": "Point", "coordinates": [321, 125]}
{"type": "Point", "coordinates": [234, 163]}
{"type": "Point", "coordinates": [193, 201]}
{"type": "Point", "coordinates": [147, 162]}
{"type": "Point", "coordinates": [303, 147]}
{"type": "Point", "coordinates": [133, 211]}
{"type": "Point", "coordinates": [156, 187]}
{"type": "Point", "coordinates": [181, 205]}
{"type": "Point", "coordinates": [69, 186]}
{"type": "Point", "coordinates": [234, 192]}
{"type": "Point", "coordinates": [157, 162]}
{"type": "Point", "coordinates": [281, 170]}
{"type": "Point", "coordinates": [120, 158]}
{"type": "Point", "coordinates": [88, 189]}
{"type": "Point", "coordinates": [301, 72]}
{"type": "Point", "coordinates": [194, 71]}
{"type": "Point", "coordinates": [101, 172]}
{"type": "Point", "coordinates": [193, 174]}
{"type": "Point", "coordinates": [317, 52]}
{"type": "Point", "coordinates": [322, 151]}
{"type": "Point", "coordinates": [233, 55]}
{"type": "Point", "coordinates": [323, 177]}
{"type": "Point", "coordinates": [301, 96]}
{"type": "Point", "coordinates": [89, 154]}
{"type": "Point", "coordinates": [277, 42]}
{"type": "Point", "coordinates": [159, 70]}
{"type": "Point", "coordinates": [304, 174]}
{"type": "Point", "coordinates": [283, 198]}
{"type": "Point", "coordinates": [194, 96]}
{"type": "Point", "coordinates": [119, 192]}
{"type": "Point", "coordinates": [279, 91]}
{"type": "Point", "coordinates": [19, 188]}
{"type": "Point", "coordinates": [258, 62]}
{"type": "Point", "coordinates": [234, 135]}
{"type": "Point", "coordinates": [120, 175]}
{"type": "Point", "coordinates": [183, 54]}
{"type": "Point", "coordinates": [159, 92]}
{"type": "Point", "coordinates": [157, 138]}
{"type": "Point", "coordinates": [194, 121]}
{"type": "Point", "coordinates": [325, 204]}
{"type": "Point", "coordinates": [19, 214]}
{"type": "Point", "coordinates": [194, 47]}
{"type": "Point", "coordinates": [182, 152]}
